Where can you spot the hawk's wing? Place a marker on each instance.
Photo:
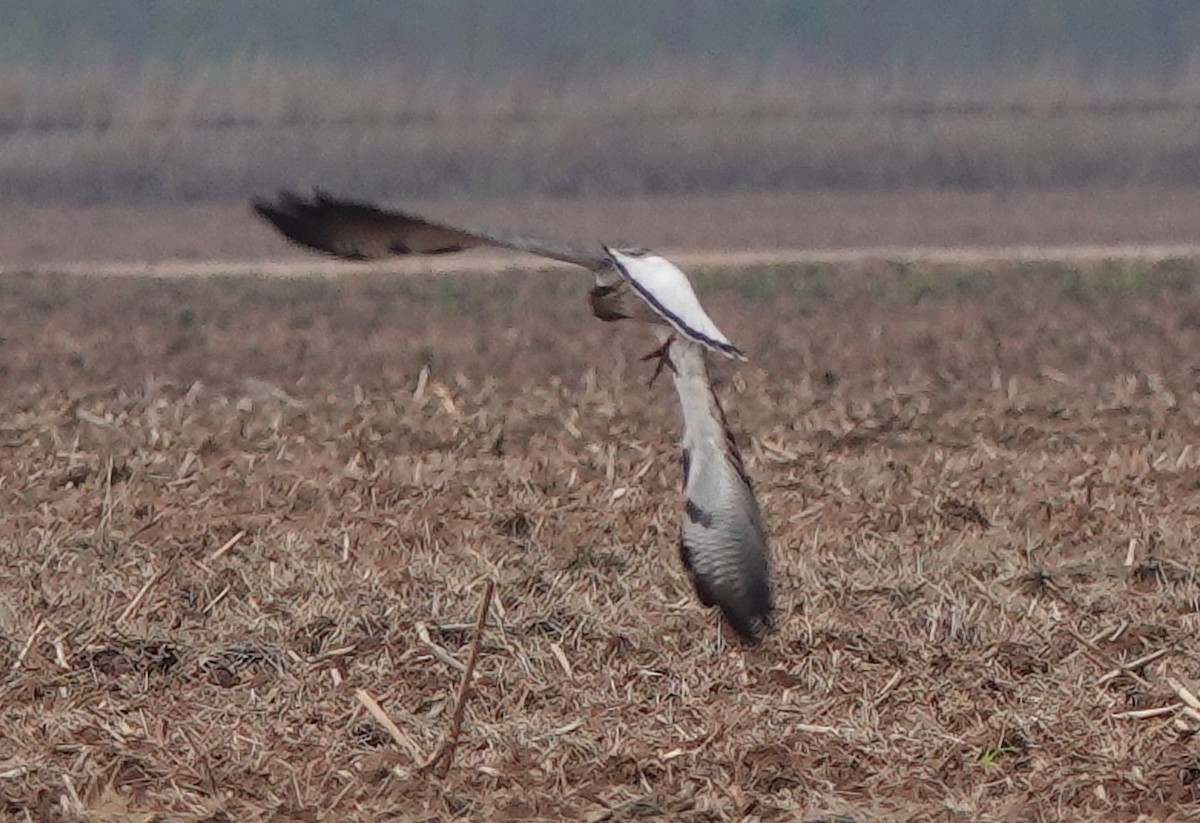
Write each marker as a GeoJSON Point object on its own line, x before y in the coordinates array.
{"type": "Point", "coordinates": [722, 541]}
{"type": "Point", "coordinates": [669, 293]}
{"type": "Point", "coordinates": [361, 231]}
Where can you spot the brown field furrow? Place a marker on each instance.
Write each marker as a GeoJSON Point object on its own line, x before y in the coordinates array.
{"type": "Point", "coordinates": [229, 503]}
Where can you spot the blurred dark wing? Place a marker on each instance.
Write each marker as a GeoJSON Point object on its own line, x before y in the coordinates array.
{"type": "Point", "coordinates": [361, 231]}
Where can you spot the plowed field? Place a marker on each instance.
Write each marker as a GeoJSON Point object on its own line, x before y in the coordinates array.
{"type": "Point", "coordinates": [228, 504]}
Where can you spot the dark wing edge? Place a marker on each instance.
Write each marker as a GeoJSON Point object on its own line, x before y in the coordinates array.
{"type": "Point", "coordinates": [354, 230]}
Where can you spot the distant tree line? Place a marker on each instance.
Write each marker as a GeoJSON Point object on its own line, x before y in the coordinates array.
{"type": "Point", "coordinates": [1155, 38]}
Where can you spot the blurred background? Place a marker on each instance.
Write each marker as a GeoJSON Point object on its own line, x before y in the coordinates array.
{"type": "Point", "coordinates": [177, 102]}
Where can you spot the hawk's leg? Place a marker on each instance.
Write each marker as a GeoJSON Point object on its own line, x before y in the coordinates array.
{"type": "Point", "coordinates": [663, 354]}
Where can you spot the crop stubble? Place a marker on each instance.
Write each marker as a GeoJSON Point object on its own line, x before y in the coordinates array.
{"type": "Point", "coordinates": [229, 503]}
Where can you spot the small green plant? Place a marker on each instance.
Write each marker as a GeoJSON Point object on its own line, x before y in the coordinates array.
{"type": "Point", "coordinates": [813, 283]}
{"type": "Point", "coordinates": [764, 284]}
{"type": "Point", "coordinates": [451, 295]}
{"type": "Point", "coordinates": [1072, 285]}
{"type": "Point", "coordinates": [935, 285]}
{"type": "Point", "coordinates": [992, 754]}
{"type": "Point", "coordinates": [1117, 278]}
{"type": "Point", "coordinates": [759, 285]}
{"type": "Point", "coordinates": [300, 320]}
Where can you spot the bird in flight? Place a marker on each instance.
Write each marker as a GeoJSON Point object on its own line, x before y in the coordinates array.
{"type": "Point", "coordinates": [723, 543]}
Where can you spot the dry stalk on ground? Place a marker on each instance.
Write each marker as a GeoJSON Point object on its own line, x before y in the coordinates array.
{"type": "Point", "coordinates": [439, 763]}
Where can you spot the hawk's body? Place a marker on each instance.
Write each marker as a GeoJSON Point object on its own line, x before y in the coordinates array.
{"type": "Point", "coordinates": [723, 543]}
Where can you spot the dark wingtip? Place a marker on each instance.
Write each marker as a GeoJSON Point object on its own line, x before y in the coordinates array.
{"type": "Point", "coordinates": [260, 204]}
{"type": "Point", "coordinates": [731, 351]}
{"type": "Point", "coordinates": [268, 211]}
{"type": "Point", "coordinates": [285, 202]}
{"type": "Point", "coordinates": [750, 628]}
{"type": "Point", "coordinates": [288, 215]}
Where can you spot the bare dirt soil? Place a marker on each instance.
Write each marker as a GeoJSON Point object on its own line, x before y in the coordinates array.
{"type": "Point", "coordinates": [227, 504]}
